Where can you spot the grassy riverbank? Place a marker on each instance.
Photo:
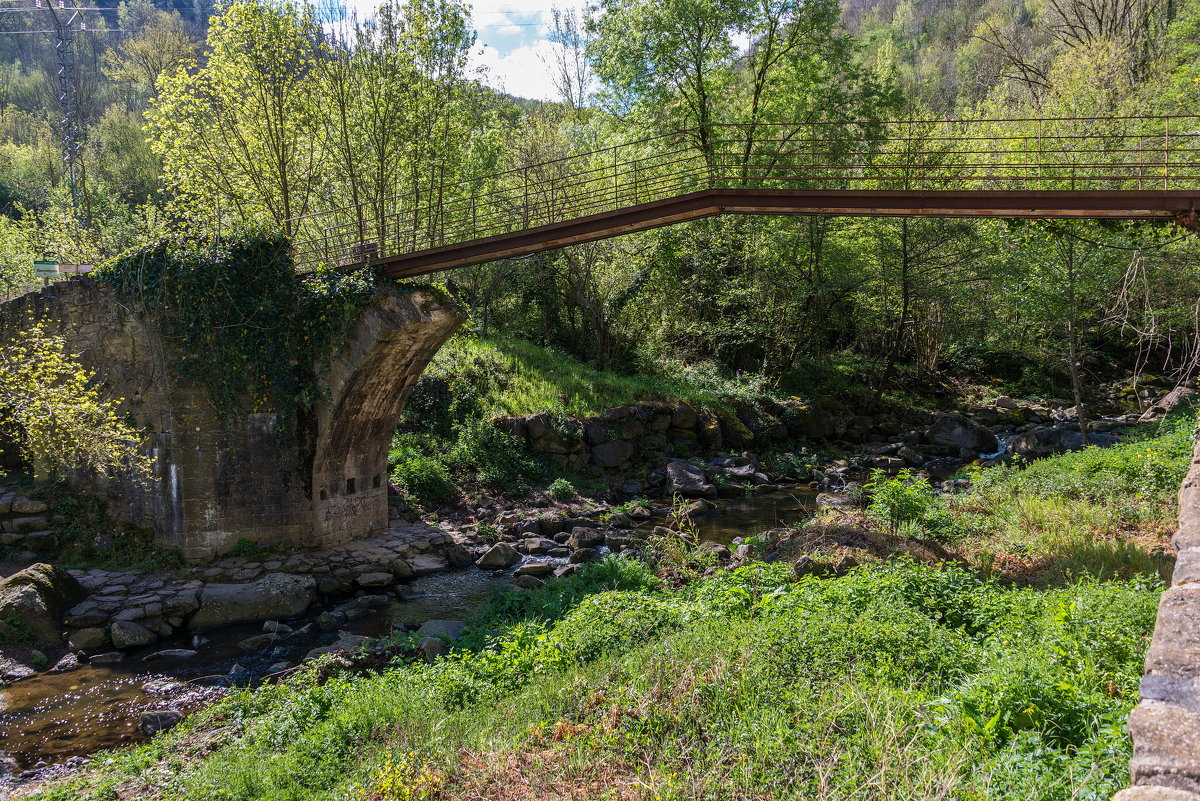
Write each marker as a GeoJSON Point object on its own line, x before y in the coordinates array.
{"type": "Point", "coordinates": [894, 681]}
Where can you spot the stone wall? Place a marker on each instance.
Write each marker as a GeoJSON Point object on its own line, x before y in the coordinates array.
{"type": "Point", "coordinates": [1165, 726]}
{"type": "Point", "coordinates": [217, 478]}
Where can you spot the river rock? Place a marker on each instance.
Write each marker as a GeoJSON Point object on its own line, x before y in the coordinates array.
{"type": "Point", "coordinates": [156, 720]}
{"type": "Point", "coordinates": [88, 639]}
{"type": "Point", "coordinates": [499, 556]}
{"type": "Point", "coordinates": [582, 537]}
{"type": "Point", "coordinates": [127, 634]}
{"type": "Point", "coordinates": [431, 648]}
{"type": "Point", "coordinates": [37, 597]}
{"type": "Point", "coordinates": [428, 563]}
{"type": "Point", "coordinates": [684, 478]}
{"type": "Point", "coordinates": [537, 545]}
{"type": "Point", "coordinates": [67, 663]}
{"type": "Point", "coordinates": [332, 585]}
{"type": "Point", "coordinates": [451, 629]}
{"type": "Point", "coordinates": [527, 582]}
{"type": "Point", "coordinates": [347, 642]}
{"type": "Point", "coordinates": [375, 580]}
{"type": "Point", "coordinates": [956, 431]}
{"type": "Point", "coordinates": [1159, 410]}
{"type": "Point", "coordinates": [107, 658]}
{"type": "Point", "coordinates": [257, 642]}
{"type": "Point", "coordinates": [1050, 440]}
{"type": "Point", "coordinates": [584, 555]}
{"type": "Point", "coordinates": [170, 653]}
{"type": "Point", "coordinates": [535, 569]}
{"type": "Point", "coordinates": [162, 687]}
{"type": "Point", "coordinates": [328, 621]}
{"type": "Point", "coordinates": [835, 500]}
{"type": "Point", "coordinates": [458, 555]}
{"type": "Point", "coordinates": [618, 541]}
{"type": "Point", "coordinates": [277, 595]}
{"type": "Point", "coordinates": [275, 627]}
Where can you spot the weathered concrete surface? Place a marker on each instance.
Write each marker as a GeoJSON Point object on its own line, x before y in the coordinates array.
{"type": "Point", "coordinates": [1165, 726]}
{"type": "Point", "coordinates": [218, 480]}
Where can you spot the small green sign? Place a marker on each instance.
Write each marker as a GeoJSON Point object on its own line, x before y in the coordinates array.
{"type": "Point", "coordinates": [45, 269]}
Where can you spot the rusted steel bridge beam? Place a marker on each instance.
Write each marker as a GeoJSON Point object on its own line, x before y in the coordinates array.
{"type": "Point", "coordinates": [1012, 204]}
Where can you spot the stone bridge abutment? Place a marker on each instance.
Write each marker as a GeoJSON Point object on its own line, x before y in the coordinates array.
{"type": "Point", "coordinates": [221, 477]}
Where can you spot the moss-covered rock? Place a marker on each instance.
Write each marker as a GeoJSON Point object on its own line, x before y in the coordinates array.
{"type": "Point", "coordinates": [35, 599]}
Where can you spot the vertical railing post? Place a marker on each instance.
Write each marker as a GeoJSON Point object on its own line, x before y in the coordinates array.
{"type": "Point", "coordinates": [525, 202]}
{"type": "Point", "coordinates": [1166, 153]}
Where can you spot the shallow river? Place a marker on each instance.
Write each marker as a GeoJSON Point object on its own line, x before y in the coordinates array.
{"type": "Point", "coordinates": [50, 718]}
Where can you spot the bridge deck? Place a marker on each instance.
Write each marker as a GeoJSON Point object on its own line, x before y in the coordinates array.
{"type": "Point", "coordinates": [1131, 205]}
{"type": "Point", "coordinates": [1117, 167]}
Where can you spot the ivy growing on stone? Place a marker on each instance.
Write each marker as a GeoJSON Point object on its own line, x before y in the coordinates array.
{"type": "Point", "coordinates": [239, 320]}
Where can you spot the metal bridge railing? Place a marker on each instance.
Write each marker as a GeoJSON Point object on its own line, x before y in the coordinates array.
{"type": "Point", "coordinates": [1080, 154]}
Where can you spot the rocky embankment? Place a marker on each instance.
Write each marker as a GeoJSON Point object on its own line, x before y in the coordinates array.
{"type": "Point", "coordinates": [630, 447]}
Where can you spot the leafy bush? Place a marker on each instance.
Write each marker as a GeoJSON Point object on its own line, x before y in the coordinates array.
{"type": "Point", "coordinates": [611, 622]}
{"type": "Point", "coordinates": [561, 489]}
{"type": "Point", "coordinates": [424, 478]}
{"type": "Point", "coordinates": [246, 549]}
{"type": "Point", "coordinates": [488, 455]}
{"type": "Point", "coordinates": [906, 502]}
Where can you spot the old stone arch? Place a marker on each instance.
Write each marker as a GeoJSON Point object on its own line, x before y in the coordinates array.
{"type": "Point", "coordinates": [219, 480]}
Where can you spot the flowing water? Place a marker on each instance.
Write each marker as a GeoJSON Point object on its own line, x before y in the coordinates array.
{"type": "Point", "coordinates": [754, 514]}
{"type": "Point", "coordinates": [53, 717]}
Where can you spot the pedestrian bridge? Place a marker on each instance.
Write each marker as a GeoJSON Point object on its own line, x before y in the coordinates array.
{"type": "Point", "coordinates": [1137, 168]}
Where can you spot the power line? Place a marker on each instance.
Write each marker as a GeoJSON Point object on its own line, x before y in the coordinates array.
{"type": "Point", "coordinates": [81, 30]}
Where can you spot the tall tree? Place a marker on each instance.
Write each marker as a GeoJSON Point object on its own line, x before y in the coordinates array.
{"type": "Point", "coordinates": [239, 133]}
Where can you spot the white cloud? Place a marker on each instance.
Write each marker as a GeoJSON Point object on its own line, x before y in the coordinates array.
{"type": "Point", "coordinates": [520, 72]}
{"type": "Point", "coordinates": [512, 36]}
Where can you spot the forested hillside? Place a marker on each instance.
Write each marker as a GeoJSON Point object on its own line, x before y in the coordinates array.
{"type": "Point", "coordinates": [190, 120]}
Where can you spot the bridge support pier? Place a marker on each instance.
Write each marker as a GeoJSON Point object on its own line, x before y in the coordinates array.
{"type": "Point", "coordinates": [221, 478]}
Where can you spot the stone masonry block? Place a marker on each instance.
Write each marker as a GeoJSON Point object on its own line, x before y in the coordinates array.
{"type": "Point", "coordinates": [1187, 567]}
{"type": "Point", "coordinates": [1155, 793]}
{"type": "Point", "coordinates": [1166, 746]}
{"type": "Point", "coordinates": [1175, 648]}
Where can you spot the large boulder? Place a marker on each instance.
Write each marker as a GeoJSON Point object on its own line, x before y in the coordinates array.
{"type": "Point", "coordinates": [956, 431]}
{"type": "Point", "coordinates": [36, 598]}
{"type": "Point", "coordinates": [1176, 397]}
{"type": "Point", "coordinates": [127, 634]}
{"type": "Point", "coordinates": [684, 478]}
{"type": "Point", "coordinates": [499, 556]}
{"type": "Point", "coordinates": [273, 597]}
{"type": "Point", "coordinates": [1049, 440]}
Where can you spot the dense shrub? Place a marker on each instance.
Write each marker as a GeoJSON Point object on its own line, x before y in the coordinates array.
{"type": "Point", "coordinates": [424, 478]}
{"type": "Point", "coordinates": [907, 504]}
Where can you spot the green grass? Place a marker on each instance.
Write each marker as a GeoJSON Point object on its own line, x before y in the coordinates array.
{"type": "Point", "coordinates": [515, 377]}
{"type": "Point", "coordinates": [894, 681]}
{"type": "Point", "coordinates": [1100, 511]}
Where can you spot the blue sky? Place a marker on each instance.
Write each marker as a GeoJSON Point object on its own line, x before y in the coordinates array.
{"type": "Point", "coordinates": [512, 44]}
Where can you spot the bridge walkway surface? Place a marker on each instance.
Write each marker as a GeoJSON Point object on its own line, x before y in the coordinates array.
{"type": "Point", "coordinates": [1136, 168]}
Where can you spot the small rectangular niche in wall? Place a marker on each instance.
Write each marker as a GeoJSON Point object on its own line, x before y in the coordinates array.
{"type": "Point", "coordinates": [376, 482]}
{"type": "Point", "coordinates": [324, 495]}
{"type": "Point", "coordinates": [349, 486]}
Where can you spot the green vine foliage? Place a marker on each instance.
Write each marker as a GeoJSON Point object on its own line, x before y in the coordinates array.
{"type": "Point", "coordinates": [239, 321]}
